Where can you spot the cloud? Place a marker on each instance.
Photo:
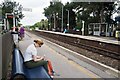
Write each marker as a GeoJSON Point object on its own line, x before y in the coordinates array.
{"type": "Point", "coordinates": [32, 17]}
{"type": "Point", "coordinates": [37, 7]}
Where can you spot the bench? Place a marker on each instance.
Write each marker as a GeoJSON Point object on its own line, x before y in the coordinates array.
{"type": "Point", "coordinates": [20, 71]}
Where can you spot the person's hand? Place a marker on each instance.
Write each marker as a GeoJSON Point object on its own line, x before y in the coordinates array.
{"type": "Point", "coordinates": [42, 58]}
{"type": "Point", "coordinates": [45, 57]}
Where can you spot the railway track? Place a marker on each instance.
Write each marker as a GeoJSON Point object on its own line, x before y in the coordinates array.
{"type": "Point", "coordinates": [100, 51]}
{"type": "Point", "coordinates": [90, 45]}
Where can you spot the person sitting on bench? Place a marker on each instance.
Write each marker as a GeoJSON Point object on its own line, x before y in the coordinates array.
{"type": "Point", "coordinates": [31, 59]}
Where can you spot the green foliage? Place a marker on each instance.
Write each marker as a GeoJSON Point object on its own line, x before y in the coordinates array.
{"type": "Point", "coordinates": [43, 24]}
{"type": "Point", "coordinates": [79, 25]}
{"type": "Point", "coordinates": [72, 16]}
{"type": "Point", "coordinates": [96, 9]}
{"type": "Point", "coordinates": [54, 11]}
{"type": "Point", "coordinates": [32, 27]}
{"type": "Point", "coordinates": [10, 7]}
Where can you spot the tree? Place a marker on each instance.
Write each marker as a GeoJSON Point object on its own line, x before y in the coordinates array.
{"type": "Point", "coordinates": [12, 7]}
{"type": "Point", "coordinates": [117, 10]}
{"type": "Point", "coordinates": [90, 11]}
{"type": "Point", "coordinates": [72, 22]}
{"type": "Point", "coordinates": [43, 25]}
{"type": "Point", "coordinates": [53, 14]}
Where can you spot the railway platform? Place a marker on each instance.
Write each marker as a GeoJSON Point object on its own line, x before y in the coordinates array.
{"type": "Point", "coordinates": [112, 40]}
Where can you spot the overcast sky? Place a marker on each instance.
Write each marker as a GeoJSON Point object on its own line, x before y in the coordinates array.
{"type": "Point", "coordinates": [37, 7]}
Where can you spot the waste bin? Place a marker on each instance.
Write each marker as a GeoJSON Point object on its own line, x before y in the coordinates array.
{"type": "Point", "coordinates": [15, 37]}
{"type": "Point", "coordinates": [117, 35]}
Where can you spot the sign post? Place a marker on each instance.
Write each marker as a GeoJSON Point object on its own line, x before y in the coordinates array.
{"type": "Point", "coordinates": [83, 23]}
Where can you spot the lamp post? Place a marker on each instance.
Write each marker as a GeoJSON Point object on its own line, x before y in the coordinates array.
{"type": "Point", "coordinates": [68, 19]}
{"type": "Point", "coordinates": [83, 25]}
{"type": "Point", "coordinates": [62, 20]}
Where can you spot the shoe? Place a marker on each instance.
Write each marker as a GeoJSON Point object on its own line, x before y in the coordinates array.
{"type": "Point", "coordinates": [53, 73]}
{"type": "Point", "coordinates": [52, 76]}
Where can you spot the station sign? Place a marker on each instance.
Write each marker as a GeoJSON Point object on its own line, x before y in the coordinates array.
{"type": "Point", "coordinates": [27, 9]}
{"type": "Point", "coordinates": [9, 16]}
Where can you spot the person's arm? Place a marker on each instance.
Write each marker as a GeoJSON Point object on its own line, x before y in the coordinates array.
{"type": "Point", "coordinates": [37, 58]}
